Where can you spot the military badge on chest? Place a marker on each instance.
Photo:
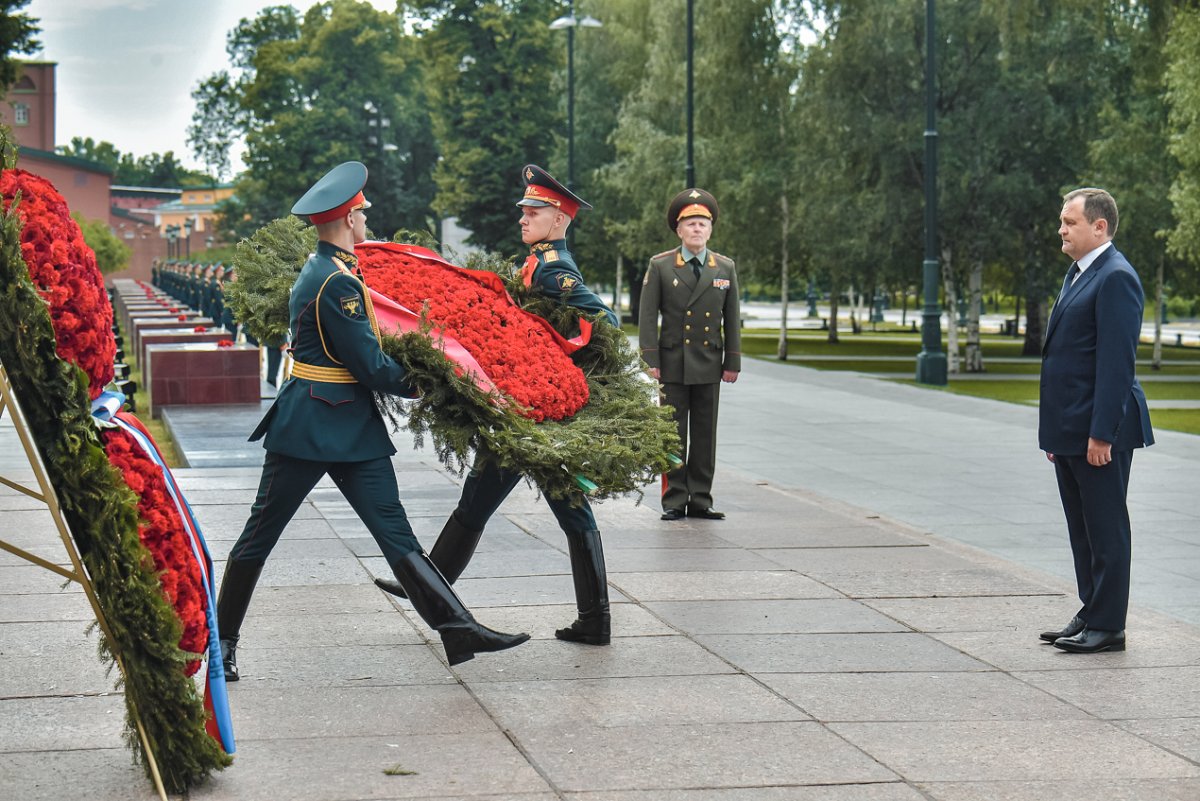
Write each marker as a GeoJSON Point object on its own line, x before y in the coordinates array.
{"type": "Point", "coordinates": [352, 307]}
{"type": "Point", "coordinates": [720, 283]}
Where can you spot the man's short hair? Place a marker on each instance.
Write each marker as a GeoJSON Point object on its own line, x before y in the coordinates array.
{"type": "Point", "coordinates": [1097, 204]}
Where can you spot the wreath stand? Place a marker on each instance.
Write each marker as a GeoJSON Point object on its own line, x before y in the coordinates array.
{"type": "Point", "coordinates": [45, 493]}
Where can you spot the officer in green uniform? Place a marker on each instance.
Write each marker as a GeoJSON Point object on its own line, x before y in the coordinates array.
{"type": "Point", "coordinates": [698, 345]}
{"type": "Point", "coordinates": [325, 421]}
{"type": "Point", "coordinates": [547, 210]}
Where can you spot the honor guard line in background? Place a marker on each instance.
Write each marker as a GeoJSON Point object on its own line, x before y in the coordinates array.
{"type": "Point", "coordinates": [45, 493]}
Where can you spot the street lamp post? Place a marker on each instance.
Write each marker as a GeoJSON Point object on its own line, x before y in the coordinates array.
{"type": "Point", "coordinates": [931, 361]}
{"type": "Point", "coordinates": [570, 22]}
{"type": "Point", "coordinates": [187, 231]}
{"type": "Point", "coordinates": [691, 162]}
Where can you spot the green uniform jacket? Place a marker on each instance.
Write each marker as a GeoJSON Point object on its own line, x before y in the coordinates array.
{"type": "Point", "coordinates": [700, 336]}
{"type": "Point", "coordinates": [327, 421]}
{"type": "Point", "coordinates": [557, 276]}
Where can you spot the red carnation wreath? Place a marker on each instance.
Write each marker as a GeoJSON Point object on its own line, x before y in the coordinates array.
{"type": "Point", "coordinates": [163, 535]}
{"type": "Point", "coordinates": [63, 268]}
{"type": "Point", "coordinates": [516, 350]}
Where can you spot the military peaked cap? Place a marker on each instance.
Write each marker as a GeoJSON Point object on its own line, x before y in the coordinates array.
{"type": "Point", "coordinates": [338, 193]}
{"type": "Point", "coordinates": [542, 190]}
{"type": "Point", "coordinates": [691, 203]}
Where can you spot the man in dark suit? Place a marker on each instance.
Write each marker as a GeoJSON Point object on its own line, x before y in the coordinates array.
{"type": "Point", "coordinates": [547, 209]}
{"type": "Point", "coordinates": [698, 346]}
{"type": "Point", "coordinates": [325, 421]}
{"type": "Point", "coordinates": [1093, 414]}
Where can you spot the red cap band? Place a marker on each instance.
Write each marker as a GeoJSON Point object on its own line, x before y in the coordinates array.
{"type": "Point", "coordinates": [341, 211]}
{"type": "Point", "coordinates": [547, 195]}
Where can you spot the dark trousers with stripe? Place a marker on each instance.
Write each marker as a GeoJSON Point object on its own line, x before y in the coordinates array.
{"type": "Point", "coordinates": [487, 486]}
{"type": "Point", "coordinates": [369, 486]}
{"type": "Point", "coordinates": [690, 484]}
{"type": "Point", "coordinates": [1101, 541]}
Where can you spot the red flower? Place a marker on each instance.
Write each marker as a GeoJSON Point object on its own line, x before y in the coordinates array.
{"type": "Point", "coordinates": [513, 348]}
{"type": "Point", "coordinates": [181, 318]}
{"type": "Point", "coordinates": [224, 343]}
{"type": "Point", "coordinates": [199, 329]}
{"type": "Point", "coordinates": [63, 268]}
{"type": "Point", "coordinates": [163, 535]}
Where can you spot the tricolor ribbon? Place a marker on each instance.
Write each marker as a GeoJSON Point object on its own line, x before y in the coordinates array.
{"type": "Point", "coordinates": [219, 726]}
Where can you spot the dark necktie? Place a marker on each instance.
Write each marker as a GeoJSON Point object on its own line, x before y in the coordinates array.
{"type": "Point", "coordinates": [1070, 279]}
{"type": "Point", "coordinates": [695, 262]}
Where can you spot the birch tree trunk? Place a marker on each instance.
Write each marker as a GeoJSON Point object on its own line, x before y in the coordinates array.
{"type": "Point", "coordinates": [782, 351]}
{"type": "Point", "coordinates": [974, 357]}
{"type": "Point", "coordinates": [833, 314]}
{"type": "Point", "coordinates": [951, 314]}
{"type": "Point", "coordinates": [1159, 299]}
{"type": "Point", "coordinates": [617, 287]}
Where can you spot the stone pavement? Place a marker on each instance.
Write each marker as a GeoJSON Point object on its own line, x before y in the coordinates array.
{"type": "Point", "coordinates": [862, 628]}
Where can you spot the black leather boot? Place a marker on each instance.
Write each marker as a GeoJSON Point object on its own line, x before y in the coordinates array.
{"type": "Point", "coordinates": [591, 590]}
{"type": "Point", "coordinates": [436, 603]}
{"type": "Point", "coordinates": [450, 555]}
{"type": "Point", "coordinates": [236, 588]}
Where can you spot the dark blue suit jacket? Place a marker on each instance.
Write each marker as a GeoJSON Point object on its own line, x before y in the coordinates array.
{"type": "Point", "coordinates": [1088, 388]}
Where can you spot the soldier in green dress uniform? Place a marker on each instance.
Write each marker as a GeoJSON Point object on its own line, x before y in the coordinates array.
{"type": "Point", "coordinates": [547, 210]}
{"type": "Point", "coordinates": [697, 346]}
{"type": "Point", "coordinates": [325, 421]}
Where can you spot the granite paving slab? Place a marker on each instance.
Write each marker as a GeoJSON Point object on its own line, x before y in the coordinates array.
{"type": "Point", "coordinates": [1115, 789]}
{"type": "Point", "coordinates": [269, 713]}
{"type": "Point", "coordinates": [1125, 693]}
{"type": "Point", "coordinates": [713, 755]}
{"type": "Point", "coordinates": [37, 607]}
{"type": "Point", "coordinates": [720, 585]}
{"type": "Point", "coordinates": [265, 664]}
{"type": "Point", "coordinates": [772, 617]}
{"type": "Point", "coordinates": [506, 590]}
{"type": "Point", "coordinates": [830, 653]}
{"type": "Point", "coordinates": [1179, 735]}
{"type": "Point", "coordinates": [1013, 750]}
{"type": "Point", "coordinates": [51, 723]}
{"type": "Point", "coordinates": [889, 791]}
{"type": "Point", "coordinates": [334, 769]}
{"type": "Point", "coordinates": [1010, 650]}
{"type": "Point", "coordinates": [75, 775]}
{"type": "Point", "coordinates": [319, 629]}
{"type": "Point", "coordinates": [633, 701]}
{"type": "Point", "coordinates": [641, 560]}
{"type": "Point", "coordinates": [1030, 614]}
{"type": "Point", "coordinates": [539, 660]}
{"type": "Point", "coordinates": [540, 622]}
{"type": "Point", "coordinates": [332, 599]}
{"type": "Point", "coordinates": [917, 696]}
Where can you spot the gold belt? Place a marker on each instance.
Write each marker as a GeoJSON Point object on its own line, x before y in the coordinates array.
{"type": "Point", "coordinates": [327, 375]}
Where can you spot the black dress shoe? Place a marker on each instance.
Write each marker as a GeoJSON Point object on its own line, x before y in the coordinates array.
{"type": "Point", "coordinates": [1070, 630]}
{"type": "Point", "coordinates": [1091, 641]}
{"type": "Point", "coordinates": [707, 514]}
{"type": "Point", "coordinates": [673, 514]}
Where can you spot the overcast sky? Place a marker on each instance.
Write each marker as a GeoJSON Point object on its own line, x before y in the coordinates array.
{"type": "Point", "coordinates": [126, 68]}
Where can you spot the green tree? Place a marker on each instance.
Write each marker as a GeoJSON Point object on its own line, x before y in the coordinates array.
{"type": "Point", "coordinates": [490, 69]}
{"type": "Point", "coordinates": [1183, 95]}
{"type": "Point", "coordinates": [156, 170]}
{"type": "Point", "coordinates": [341, 83]}
{"type": "Point", "coordinates": [16, 36]}
{"type": "Point", "coordinates": [112, 255]}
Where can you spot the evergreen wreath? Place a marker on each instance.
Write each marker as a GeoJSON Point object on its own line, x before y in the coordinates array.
{"type": "Point", "coordinates": [102, 513]}
{"type": "Point", "coordinates": [620, 441]}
